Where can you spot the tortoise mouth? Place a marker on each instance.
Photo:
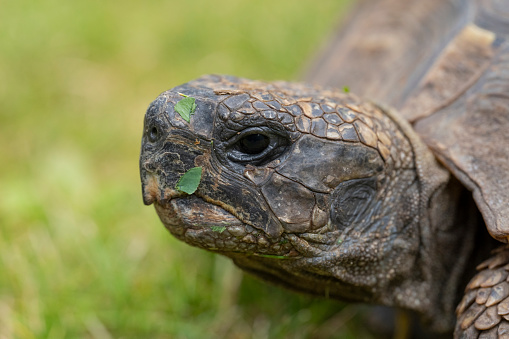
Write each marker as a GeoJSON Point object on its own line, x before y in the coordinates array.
{"type": "Point", "coordinates": [192, 212]}
{"type": "Point", "coordinates": [207, 225]}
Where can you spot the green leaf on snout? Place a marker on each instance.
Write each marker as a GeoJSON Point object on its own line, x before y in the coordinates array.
{"type": "Point", "coordinates": [188, 183]}
{"type": "Point", "coordinates": [186, 107]}
{"type": "Point", "coordinates": [218, 229]}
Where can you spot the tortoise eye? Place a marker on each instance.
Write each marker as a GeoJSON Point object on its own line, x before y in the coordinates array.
{"type": "Point", "coordinates": [256, 146]}
{"type": "Point", "coordinates": [254, 143]}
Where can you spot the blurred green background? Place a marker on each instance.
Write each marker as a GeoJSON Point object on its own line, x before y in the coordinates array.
{"type": "Point", "coordinates": [80, 255]}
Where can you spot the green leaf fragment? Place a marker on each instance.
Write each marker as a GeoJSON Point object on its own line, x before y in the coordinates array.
{"type": "Point", "coordinates": [188, 183]}
{"type": "Point", "coordinates": [218, 229]}
{"type": "Point", "coordinates": [186, 107]}
{"type": "Point", "coordinates": [346, 89]}
{"type": "Point", "coordinates": [271, 256]}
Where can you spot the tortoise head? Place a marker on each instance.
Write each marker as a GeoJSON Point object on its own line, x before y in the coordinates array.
{"type": "Point", "coordinates": [309, 188]}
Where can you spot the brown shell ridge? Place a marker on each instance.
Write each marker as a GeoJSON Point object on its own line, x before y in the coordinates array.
{"type": "Point", "coordinates": [461, 64]}
{"type": "Point", "coordinates": [484, 309]}
{"type": "Point", "coordinates": [381, 54]}
{"type": "Point", "coordinates": [470, 136]}
{"type": "Point", "coordinates": [469, 182]}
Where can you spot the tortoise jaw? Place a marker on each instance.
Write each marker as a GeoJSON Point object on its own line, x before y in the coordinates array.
{"type": "Point", "coordinates": [206, 225]}
{"type": "Point", "coordinates": [196, 212]}
{"type": "Point", "coordinates": [191, 211]}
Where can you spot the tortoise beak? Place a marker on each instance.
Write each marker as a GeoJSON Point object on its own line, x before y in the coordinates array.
{"type": "Point", "coordinates": [147, 200]}
{"type": "Point", "coordinates": [149, 188]}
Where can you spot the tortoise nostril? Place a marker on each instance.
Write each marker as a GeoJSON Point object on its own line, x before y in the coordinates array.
{"type": "Point", "coordinates": [153, 134]}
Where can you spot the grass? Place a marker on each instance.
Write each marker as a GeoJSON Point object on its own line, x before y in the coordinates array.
{"type": "Point", "coordinates": [80, 256]}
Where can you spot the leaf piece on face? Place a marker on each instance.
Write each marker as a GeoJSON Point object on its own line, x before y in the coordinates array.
{"type": "Point", "coordinates": [186, 107]}
{"type": "Point", "coordinates": [218, 229]}
{"type": "Point", "coordinates": [188, 183]}
{"type": "Point", "coordinates": [270, 256]}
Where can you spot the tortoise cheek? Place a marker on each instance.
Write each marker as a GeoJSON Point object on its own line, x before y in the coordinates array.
{"type": "Point", "coordinates": [321, 165]}
{"type": "Point", "coordinates": [290, 201]}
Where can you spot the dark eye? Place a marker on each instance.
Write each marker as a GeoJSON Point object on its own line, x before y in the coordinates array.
{"type": "Point", "coordinates": [257, 146]}
{"type": "Point", "coordinates": [254, 143]}
{"type": "Point", "coordinates": [153, 134]}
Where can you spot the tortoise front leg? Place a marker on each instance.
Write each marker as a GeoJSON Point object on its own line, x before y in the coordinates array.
{"type": "Point", "coordinates": [484, 310]}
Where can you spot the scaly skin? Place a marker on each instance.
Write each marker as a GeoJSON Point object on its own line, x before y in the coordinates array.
{"type": "Point", "coordinates": [344, 201]}
{"type": "Point", "coordinates": [484, 310]}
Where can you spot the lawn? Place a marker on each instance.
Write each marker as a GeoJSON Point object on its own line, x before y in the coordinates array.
{"type": "Point", "coordinates": [80, 255]}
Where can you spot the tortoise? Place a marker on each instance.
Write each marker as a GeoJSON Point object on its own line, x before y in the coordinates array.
{"type": "Point", "coordinates": [397, 199]}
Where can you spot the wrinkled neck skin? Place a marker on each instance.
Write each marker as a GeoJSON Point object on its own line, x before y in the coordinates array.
{"type": "Point", "coordinates": [439, 214]}
{"type": "Point", "coordinates": [344, 201]}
